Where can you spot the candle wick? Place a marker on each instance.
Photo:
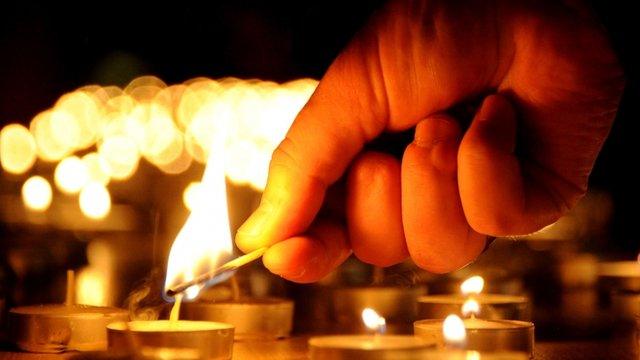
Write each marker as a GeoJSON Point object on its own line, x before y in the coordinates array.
{"type": "Point", "coordinates": [70, 298]}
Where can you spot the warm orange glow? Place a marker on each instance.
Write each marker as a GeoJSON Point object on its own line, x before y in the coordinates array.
{"type": "Point", "coordinates": [17, 149]}
{"type": "Point", "coordinates": [97, 168]}
{"type": "Point", "coordinates": [121, 155]}
{"type": "Point", "coordinates": [453, 330]}
{"type": "Point", "coordinates": [472, 285]}
{"type": "Point", "coordinates": [191, 195]}
{"type": "Point", "coordinates": [204, 242]}
{"type": "Point", "coordinates": [90, 287]}
{"type": "Point", "coordinates": [36, 193]}
{"type": "Point", "coordinates": [49, 148]}
{"type": "Point", "coordinates": [95, 201]}
{"type": "Point", "coordinates": [169, 126]}
{"type": "Point", "coordinates": [71, 175]}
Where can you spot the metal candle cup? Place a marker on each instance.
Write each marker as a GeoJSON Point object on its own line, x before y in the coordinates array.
{"type": "Point", "coordinates": [483, 335]}
{"type": "Point", "coordinates": [396, 304]}
{"type": "Point", "coordinates": [164, 339]}
{"type": "Point", "coordinates": [57, 328]}
{"type": "Point", "coordinates": [493, 306]}
{"type": "Point", "coordinates": [620, 275]}
{"type": "Point", "coordinates": [368, 347]}
{"type": "Point", "coordinates": [268, 318]}
{"type": "Point", "coordinates": [467, 355]}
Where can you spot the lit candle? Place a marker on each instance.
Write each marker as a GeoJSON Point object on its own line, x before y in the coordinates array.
{"type": "Point", "coordinates": [54, 328]}
{"type": "Point", "coordinates": [166, 339]}
{"type": "Point", "coordinates": [456, 338]}
{"type": "Point", "coordinates": [494, 306]}
{"type": "Point", "coordinates": [477, 334]}
{"type": "Point", "coordinates": [396, 304]}
{"type": "Point", "coordinates": [372, 346]}
{"type": "Point", "coordinates": [253, 318]}
{"type": "Point", "coordinates": [621, 280]}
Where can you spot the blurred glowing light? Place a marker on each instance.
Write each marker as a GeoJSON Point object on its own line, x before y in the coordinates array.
{"type": "Point", "coordinates": [192, 194]}
{"type": "Point", "coordinates": [71, 175]}
{"type": "Point", "coordinates": [472, 285]}
{"type": "Point", "coordinates": [17, 149]}
{"type": "Point", "coordinates": [90, 287]}
{"type": "Point", "coordinates": [453, 330]}
{"type": "Point", "coordinates": [470, 307]}
{"type": "Point", "coordinates": [121, 154]}
{"type": "Point", "coordinates": [373, 321]}
{"type": "Point", "coordinates": [97, 168]}
{"type": "Point", "coordinates": [95, 201]}
{"type": "Point", "coordinates": [49, 149]}
{"type": "Point", "coordinates": [36, 193]}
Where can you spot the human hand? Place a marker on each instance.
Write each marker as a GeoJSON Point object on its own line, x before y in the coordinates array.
{"type": "Point", "coordinates": [522, 163]}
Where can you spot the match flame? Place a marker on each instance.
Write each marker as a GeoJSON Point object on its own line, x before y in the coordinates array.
{"type": "Point", "coordinates": [453, 330]}
{"type": "Point", "coordinates": [204, 242]}
{"type": "Point", "coordinates": [470, 307]}
{"type": "Point", "coordinates": [373, 321]}
{"type": "Point", "coordinates": [472, 285]}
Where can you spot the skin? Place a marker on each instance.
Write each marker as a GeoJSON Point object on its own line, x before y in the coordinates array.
{"type": "Point", "coordinates": [550, 85]}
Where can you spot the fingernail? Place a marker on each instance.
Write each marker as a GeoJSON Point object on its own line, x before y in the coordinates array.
{"type": "Point", "coordinates": [255, 224]}
{"type": "Point", "coordinates": [435, 130]}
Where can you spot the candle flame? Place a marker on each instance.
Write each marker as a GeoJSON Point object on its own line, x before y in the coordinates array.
{"type": "Point", "coordinates": [372, 320]}
{"type": "Point", "coordinates": [470, 307]}
{"type": "Point", "coordinates": [472, 285]}
{"type": "Point", "coordinates": [453, 330]}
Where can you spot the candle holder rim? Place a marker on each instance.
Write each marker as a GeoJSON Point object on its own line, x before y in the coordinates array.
{"type": "Point", "coordinates": [494, 299]}
{"type": "Point", "coordinates": [79, 309]}
{"type": "Point", "coordinates": [519, 324]}
{"type": "Point", "coordinates": [126, 326]}
{"type": "Point", "coordinates": [336, 341]}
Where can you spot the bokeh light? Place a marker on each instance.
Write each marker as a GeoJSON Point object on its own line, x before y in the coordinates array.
{"type": "Point", "coordinates": [37, 193]}
{"type": "Point", "coordinates": [168, 126]}
{"type": "Point", "coordinates": [191, 195]}
{"type": "Point", "coordinates": [95, 201]}
{"type": "Point", "coordinates": [122, 156]}
{"type": "Point", "coordinates": [97, 168]}
{"type": "Point", "coordinates": [17, 149]}
{"type": "Point", "coordinates": [71, 175]}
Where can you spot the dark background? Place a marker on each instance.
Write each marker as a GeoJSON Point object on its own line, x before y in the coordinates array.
{"type": "Point", "coordinates": [49, 49]}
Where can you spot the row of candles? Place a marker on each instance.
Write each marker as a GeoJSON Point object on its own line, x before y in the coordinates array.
{"type": "Point", "coordinates": [208, 329]}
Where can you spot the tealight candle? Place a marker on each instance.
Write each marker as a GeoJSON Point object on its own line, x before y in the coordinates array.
{"type": "Point", "coordinates": [267, 318]}
{"type": "Point", "coordinates": [369, 347]}
{"type": "Point", "coordinates": [473, 355]}
{"type": "Point", "coordinates": [494, 306]}
{"type": "Point", "coordinates": [166, 339]}
{"type": "Point", "coordinates": [620, 275]}
{"type": "Point", "coordinates": [55, 328]}
{"type": "Point", "coordinates": [253, 318]}
{"type": "Point", "coordinates": [482, 334]}
{"type": "Point", "coordinates": [398, 305]}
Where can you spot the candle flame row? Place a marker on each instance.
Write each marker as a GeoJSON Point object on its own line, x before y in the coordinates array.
{"type": "Point", "coordinates": [99, 134]}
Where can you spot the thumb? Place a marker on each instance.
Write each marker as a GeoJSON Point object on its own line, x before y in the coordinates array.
{"type": "Point", "coordinates": [347, 109]}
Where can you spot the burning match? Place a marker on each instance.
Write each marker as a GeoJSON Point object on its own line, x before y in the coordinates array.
{"type": "Point", "coordinates": [230, 266]}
